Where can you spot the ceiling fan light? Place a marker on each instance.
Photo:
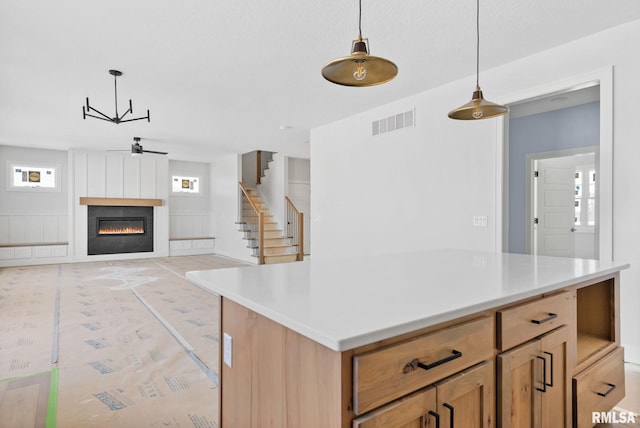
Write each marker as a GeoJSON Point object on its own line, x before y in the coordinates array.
{"type": "Point", "coordinates": [478, 108]}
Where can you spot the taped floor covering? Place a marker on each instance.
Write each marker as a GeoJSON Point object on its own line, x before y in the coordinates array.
{"type": "Point", "coordinates": [132, 344]}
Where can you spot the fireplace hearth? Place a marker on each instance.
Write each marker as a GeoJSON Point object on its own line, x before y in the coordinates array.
{"type": "Point", "coordinates": [119, 229]}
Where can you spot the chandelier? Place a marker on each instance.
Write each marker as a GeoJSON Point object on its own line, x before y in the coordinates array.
{"type": "Point", "coordinates": [117, 118]}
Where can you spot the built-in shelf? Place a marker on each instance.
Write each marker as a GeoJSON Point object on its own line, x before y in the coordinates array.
{"type": "Point", "coordinates": [596, 320]}
{"type": "Point", "coordinates": [32, 244]}
{"type": "Point", "coordinates": [121, 202]}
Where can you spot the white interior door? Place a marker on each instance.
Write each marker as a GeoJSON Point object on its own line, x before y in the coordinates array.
{"type": "Point", "coordinates": [554, 207]}
{"type": "Point", "coordinates": [300, 195]}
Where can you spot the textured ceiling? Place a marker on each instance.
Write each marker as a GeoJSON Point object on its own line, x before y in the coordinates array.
{"type": "Point", "coordinates": [224, 76]}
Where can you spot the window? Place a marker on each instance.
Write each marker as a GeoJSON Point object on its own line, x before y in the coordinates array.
{"type": "Point", "coordinates": [585, 197]}
{"type": "Point", "coordinates": [185, 184]}
{"type": "Point", "coordinates": [26, 176]}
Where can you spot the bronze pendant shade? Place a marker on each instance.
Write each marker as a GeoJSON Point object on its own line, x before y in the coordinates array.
{"type": "Point", "coordinates": [478, 107]}
{"type": "Point", "coordinates": [359, 68]}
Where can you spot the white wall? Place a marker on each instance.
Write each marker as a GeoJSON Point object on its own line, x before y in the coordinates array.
{"type": "Point", "coordinates": [404, 190]}
{"type": "Point", "coordinates": [420, 187]}
{"type": "Point", "coordinates": [29, 216]}
{"type": "Point", "coordinates": [189, 215]}
{"type": "Point", "coordinates": [225, 174]}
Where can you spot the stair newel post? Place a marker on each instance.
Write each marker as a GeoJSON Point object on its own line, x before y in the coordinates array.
{"type": "Point", "coordinates": [259, 167]}
{"type": "Point", "coordinates": [260, 237]}
{"type": "Point", "coordinates": [300, 237]}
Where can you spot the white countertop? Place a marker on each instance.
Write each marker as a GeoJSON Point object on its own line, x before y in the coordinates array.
{"type": "Point", "coordinates": [347, 303]}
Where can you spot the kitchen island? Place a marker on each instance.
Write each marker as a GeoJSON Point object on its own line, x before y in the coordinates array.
{"type": "Point", "coordinates": [409, 338]}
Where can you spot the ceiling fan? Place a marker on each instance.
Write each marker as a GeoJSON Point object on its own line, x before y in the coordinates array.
{"type": "Point", "coordinates": [137, 149]}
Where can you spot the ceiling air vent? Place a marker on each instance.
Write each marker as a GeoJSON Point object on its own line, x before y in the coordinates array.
{"type": "Point", "coordinates": [393, 123]}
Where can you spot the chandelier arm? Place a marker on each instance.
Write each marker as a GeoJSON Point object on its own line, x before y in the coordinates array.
{"type": "Point", "coordinates": [98, 117]}
{"type": "Point", "coordinates": [115, 90]}
{"type": "Point", "coordinates": [99, 112]}
{"type": "Point", "coordinates": [137, 118]}
{"type": "Point", "coordinates": [130, 110]}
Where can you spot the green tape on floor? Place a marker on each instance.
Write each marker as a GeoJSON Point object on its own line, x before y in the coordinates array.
{"type": "Point", "coordinates": [52, 408]}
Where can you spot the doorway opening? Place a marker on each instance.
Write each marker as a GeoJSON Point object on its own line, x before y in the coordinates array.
{"type": "Point", "coordinates": [571, 118]}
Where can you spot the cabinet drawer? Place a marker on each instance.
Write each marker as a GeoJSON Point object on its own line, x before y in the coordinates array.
{"type": "Point", "coordinates": [598, 388]}
{"type": "Point", "coordinates": [521, 323]}
{"type": "Point", "coordinates": [385, 374]}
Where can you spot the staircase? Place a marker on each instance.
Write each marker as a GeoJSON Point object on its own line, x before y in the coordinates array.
{"type": "Point", "coordinates": [277, 247]}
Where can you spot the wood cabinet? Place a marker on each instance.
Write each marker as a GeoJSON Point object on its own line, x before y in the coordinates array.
{"type": "Point", "coordinates": [545, 361]}
{"type": "Point", "coordinates": [418, 410]}
{"type": "Point", "coordinates": [599, 387]}
{"type": "Point", "coordinates": [598, 380]}
{"type": "Point", "coordinates": [462, 400]}
{"type": "Point", "coordinates": [534, 388]}
{"type": "Point", "coordinates": [391, 372]}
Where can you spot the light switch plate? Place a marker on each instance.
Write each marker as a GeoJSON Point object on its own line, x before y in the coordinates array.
{"type": "Point", "coordinates": [227, 347]}
{"type": "Point", "coordinates": [480, 221]}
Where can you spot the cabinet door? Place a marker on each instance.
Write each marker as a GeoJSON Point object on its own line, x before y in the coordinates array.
{"type": "Point", "coordinates": [519, 404]}
{"type": "Point", "coordinates": [559, 354]}
{"type": "Point", "coordinates": [534, 382]}
{"type": "Point", "coordinates": [414, 411]}
{"type": "Point", "coordinates": [466, 400]}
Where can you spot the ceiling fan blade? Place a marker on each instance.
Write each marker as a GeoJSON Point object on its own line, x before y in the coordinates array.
{"type": "Point", "coordinates": [157, 153]}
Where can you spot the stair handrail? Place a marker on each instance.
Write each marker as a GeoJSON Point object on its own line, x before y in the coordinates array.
{"type": "Point", "coordinates": [260, 214]}
{"type": "Point", "coordinates": [295, 227]}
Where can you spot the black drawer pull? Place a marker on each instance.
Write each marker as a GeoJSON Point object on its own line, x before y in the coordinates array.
{"type": "Point", "coordinates": [454, 354]}
{"type": "Point", "coordinates": [450, 407]}
{"type": "Point", "coordinates": [415, 363]}
{"type": "Point", "coordinates": [544, 320]}
{"type": "Point", "coordinates": [611, 388]}
{"type": "Point", "coordinates": [437, 416]}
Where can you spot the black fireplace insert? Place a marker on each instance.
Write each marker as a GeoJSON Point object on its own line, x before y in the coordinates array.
{"type": "Point", "coordinates": [119, 229]}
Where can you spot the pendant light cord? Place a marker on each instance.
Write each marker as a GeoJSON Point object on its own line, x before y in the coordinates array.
{"type": "Point", "coordinates": [360, 20]}
{"type": "Point", "coordinates": [478, 43]}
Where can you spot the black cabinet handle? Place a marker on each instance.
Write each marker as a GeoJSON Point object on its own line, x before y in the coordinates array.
{"type": "Point", "coordinates": [450, 407]}
{"type": "Point", "coordinates": [544, 374]}
{"type": "Point", "coordinates": [437, 416]}
{"type": "Point", "coordinates": [415, 363]}
{"type": "Point", "coordinates": [611, 388]}
{"type": "Point", "coordinates": [545, 319]}
{"type": "Point", "coordinates": [454, 354]}
{"type": "Point", "coordinates": [550, 384]}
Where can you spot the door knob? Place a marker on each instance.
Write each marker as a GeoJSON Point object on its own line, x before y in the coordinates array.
{"type": "Point", "coordinates": [573, 229]}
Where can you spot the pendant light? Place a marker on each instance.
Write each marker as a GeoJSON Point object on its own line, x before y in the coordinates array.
{"type": "Point", "coordinates": [359, 68]}
{"type": "Point", "coordinates": [478, 107]}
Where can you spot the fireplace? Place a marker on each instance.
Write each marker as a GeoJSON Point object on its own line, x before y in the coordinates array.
{"type": "Point", "coordinates": [119, 229]}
